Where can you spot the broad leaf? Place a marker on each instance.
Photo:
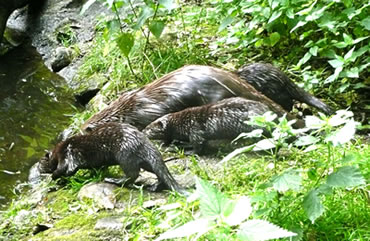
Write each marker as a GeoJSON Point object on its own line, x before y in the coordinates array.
{"type": "Point", "coordinates": [288, 180]}
{"type": "Point", "coordinates": [306, 140]}
{"type": "Point", "coordinates": [313, 122]}
{"type": "Point", "coordinates": [213, 203]}
{"type": "Point", "coordinates": [348, 176]}
{"type": "Point", "coordinates": [168, 4]}
{"type": "Point", "coordinates": [313, 50]}
{"type": "Point", "coordinates": [146, 13]}
{"type": "Point", "coordinates": [312, 205]}
{"type": "Point", "coordinates": [299, 24]}
{"type": "Point", "coordinates": [241, 211]}
{"type": "Point", "coordinates": [274, 38]}
{"type": "Point", "coordinates": [343, 135]}
{"type": "Point", "coordinates": [305, 58]}
{"type": "Point", "coordinates": [199, 226]}
{"type": "Point", "coordinates": [258, 230]}
{"type": "Point", "coordinates": [335, 63]}
{"type": "Point", "coordinates": [274, 16]}
{"type": "Point", "coordinates": [125, 43]}
{"type": "Point", "coordinates": [366, 23]}
{"type": "Point", "coordinates": [225, 22]}
{"type": "Point", "coordinates": [156, 28]}
{"type": "Point", "coordinates": [236, 152]}
{"type": "Point", "coordinates": [265, 144]}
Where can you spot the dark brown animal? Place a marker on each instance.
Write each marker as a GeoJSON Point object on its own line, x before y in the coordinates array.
{"type": "Point", "coordinates": [276, 85]}
{"type": "Point", "coordinates": [186, 87]}
{"type": "Point", "coordinates": [109, 144]}
{"type": "Point", "coordinates": [222, 120]}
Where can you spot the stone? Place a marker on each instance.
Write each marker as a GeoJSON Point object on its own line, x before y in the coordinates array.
{"type": "Point", "coordinates": [112, 223]}
{"type": "Point", "coordinates": [102, 194]}
{"type": "Point", "coordinates": [62, 58]}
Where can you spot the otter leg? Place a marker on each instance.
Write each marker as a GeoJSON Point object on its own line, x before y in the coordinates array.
{"type": "Point", "coordinates": [131, 169]}
{"type": "Point", "coordinates": [156, 165]}
{"type": "Point", "coordinates": [198, 142]}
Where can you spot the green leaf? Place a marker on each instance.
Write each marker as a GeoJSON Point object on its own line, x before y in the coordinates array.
{"type": "Point", "coordinates": [347, 39]}
{"type": "Point", "coordinates": [199, 226]}
{"type": "Point", "coordinates": [313, 50]}
{"type": "Point", "coordinates": [265, 144]}
{"type": "Point", "coordinates": [347, 176]}
{"type": "Point", "coordinates": [225, 22]}
{"type": "Point", "coordinates": [288, 180]}
{"type": "Point", "coordinates": [366, 23]}
{"type": "Point", "coordinates": [87, 6]}
{"type": "Point", "coordinates": [156, 28]}
{"type": "Point", "coordinates": [274, 16]}
{"type": "Point", "coordinates": [258, 230]}
{"type": "Point", "coordinates": [305, 58]}
{"type": "Point", "coordinates": [352, 73]}
{"type": "Point", "coordinates": [343, 135]}
{"type": "Point", "coordinates": [168, 4]}
{"type": "Point", "coordinates": [313, 122]}
{"type": "Point", "coordinates": [312, 205]}
{"type": "Point", "coordinates": [306, 140]}
{"type": "Point", "coordinates": [348, 55]}
{"type": "Point", "coordinates": [125, 43]}
{"type": "Point", "coordinates": [274, 38]}
{"type": "Point", "coordinates": [146, 13]}
{"type": "Point", "coordinates": [241, 211]}
{"type": "Point", "coordinates": [335, 63]}
{"type": "Point", "coordinates": [299, 24]}
{"type": "Point", "coordinates": [334, 76]}
{"type": "Point", "coordinates": [213, 203]}
{"type": "Point", "coordinates": [236, 152]}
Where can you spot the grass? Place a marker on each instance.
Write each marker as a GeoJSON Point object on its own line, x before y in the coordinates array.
{"type": "Point", "coordinates": [346, 210]}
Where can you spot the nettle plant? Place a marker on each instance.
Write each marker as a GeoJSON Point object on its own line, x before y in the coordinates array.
{"type": "Point", "coordinates": [333, 34]}
{"type": "Point", "coordinates": [223, 218]}
{"type": "Point", "coordinates": [330, 133]}
{"type": "Point", "coordinates": [133, 18]}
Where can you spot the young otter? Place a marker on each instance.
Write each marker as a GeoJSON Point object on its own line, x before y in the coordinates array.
{"type": "Point", "coordinates": [222, 120]}
{"type": "Point", "coordinates": [186, 87]}
{"type": "Point", "coordinates": [109, 144]}
{"type": "Point", "coordinates": [273, 83]}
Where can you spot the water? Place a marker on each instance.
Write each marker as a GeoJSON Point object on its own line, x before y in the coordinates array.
{"type": "Point", "coordinates": [35, 106]}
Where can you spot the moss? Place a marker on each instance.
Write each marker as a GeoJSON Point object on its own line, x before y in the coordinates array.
{"type": "Point", "coordinates": [78, 226]}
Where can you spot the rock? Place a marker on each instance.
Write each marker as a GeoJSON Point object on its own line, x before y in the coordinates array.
{"type": "Point", "coordinates": [101, 193]}
{"type": "Point", "coordinates": [62, 58]}
{"type": "Point", "coordinates": [113, 223]}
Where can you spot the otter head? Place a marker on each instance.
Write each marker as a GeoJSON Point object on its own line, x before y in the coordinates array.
{"type": "Point", "coordinates": [157, 129]}
{"type": "Point", "coordinates": [44, 165]}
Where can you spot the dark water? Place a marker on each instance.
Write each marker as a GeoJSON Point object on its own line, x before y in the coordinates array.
{"type": "Point", "coordinates": [35, 105]}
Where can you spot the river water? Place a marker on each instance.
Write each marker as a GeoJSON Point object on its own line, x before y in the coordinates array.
{"type": "Point", "coordinates": [35, 106]}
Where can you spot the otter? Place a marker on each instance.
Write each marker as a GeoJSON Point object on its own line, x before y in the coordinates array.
{"type": "Point", "coordinates": [109, 144]}
{"type": "Point", "coordinates": [277, 86]}
{"type": "Point", "coordinates": [188, 86]}
{"type": "Point", "coordinates": [222, 120]}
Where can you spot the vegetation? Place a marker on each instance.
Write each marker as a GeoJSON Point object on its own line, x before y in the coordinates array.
{"type": "Point", "coordinates": [314, 188]}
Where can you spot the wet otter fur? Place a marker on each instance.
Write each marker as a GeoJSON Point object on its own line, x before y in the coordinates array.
{"type": "Point", "coordinates": [276, 85]}
{"type": "Point", "coordinates": [188, 86]}
{"type": "Point", "coordinates": [222, 120]}
{"type": "Point", "coordinates": [109, 144]}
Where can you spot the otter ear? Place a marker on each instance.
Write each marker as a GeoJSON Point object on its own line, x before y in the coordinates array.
{"type": "Point", "coordinates": [47, 154]}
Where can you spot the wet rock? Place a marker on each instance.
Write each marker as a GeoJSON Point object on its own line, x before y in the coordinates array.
{"type": "Point", "coordinates": [101, 193]}
{"type": "Point", "coordinates": [62, 58]}
{"type": "Point", "coordinates": [112, 223]}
